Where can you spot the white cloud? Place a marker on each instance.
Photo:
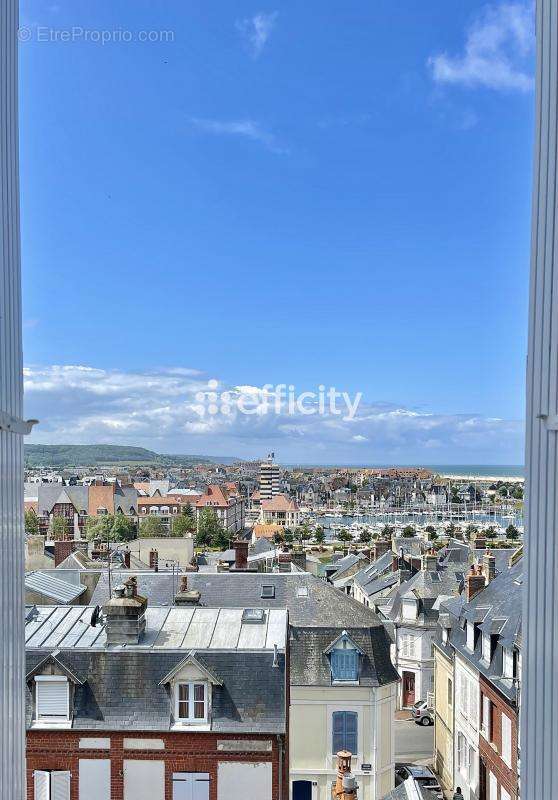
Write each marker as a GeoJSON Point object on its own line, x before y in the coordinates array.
{"type": "Point", "coordinates": [256, 31]}
{"type": "Point", "coordinates": [243, 128]}
{"type": "Point", "coordinates": [496, 51]}
{"type": "Point", "coordinates": [160, 409]}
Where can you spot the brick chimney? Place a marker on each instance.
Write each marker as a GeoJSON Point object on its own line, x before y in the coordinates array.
{"type": "Point", "coordinates": [154, 560]}
{"type": "Point", "coordinates": [345, 787]}
{"type": "Point", "coordinates": [475, 582]}
{"type": "Point", "coordinates": [380, 547]}
{"type": "Point", "coordinates": [185, 596]}
{"type": "Point", "coordinates": [285, 560]}
{"type": "Point", "coordinates": [240, 547]}
{"type": "Point", "coordinates": [62, 549]}
{"type": "Point", "coordinates": [489, 566]}
{"type": "Point", "coordinates": [125, 614]}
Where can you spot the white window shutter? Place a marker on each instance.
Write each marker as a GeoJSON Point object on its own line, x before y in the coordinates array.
{"type": "Point", "coordinates": [41, 785]}
{"type": "Point", "coordinates": [60, 786]}
{"type": "Point", "coordinates": [52, 698]}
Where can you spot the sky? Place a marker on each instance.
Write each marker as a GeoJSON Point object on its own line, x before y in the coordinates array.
{"type": "Point", "coordinates": [218, 198]}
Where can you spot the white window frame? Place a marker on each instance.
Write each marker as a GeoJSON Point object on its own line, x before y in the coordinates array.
{"type": "Point", "coordinates": [508, 665]}
{"type": "Point", "coordinates": [486, 717]}
{"type": "Point", "coordinates": [470, 636]}
{"type": "Point", "coordinates": [58, 719]}
{"type": "Point", "coordinates": [506, 740]}
{"type": "Point", "coordinates": [486, 647]}
{"type": "Point", "coordinates": [191, 719]}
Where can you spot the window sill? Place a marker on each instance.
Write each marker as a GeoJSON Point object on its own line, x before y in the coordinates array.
{"type": "Point", "coordinates": [338, 682]}
{"type": "Point", "coordinates": [184, 727]}
{"type": "Point", "coordinates": [53, 724]}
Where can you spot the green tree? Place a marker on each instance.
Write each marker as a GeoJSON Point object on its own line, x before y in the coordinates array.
{"type": "Point", "coordinates": [319, 535]}
{"type": "Point", "coordinates": [387, 531]}
{"type": "Point", "coordinates": [365, 536]}
{"type": "Point", "coordinates": [183, 525]}
{"type": "Point", "coordinates": [188, 511]}
{"type": "Point", "coordinates": [490, 532]}
{"type": "Point", "coordinates": [210, 530]}
{"type": "Point", "coordinates": [124, 529]}
{"type": "Point", "coordinates": [303, 533]}
{"type": "Point", "coordinates": [512, 532]}
{"type": "Point", "coordinates": [278, 538]}
{"type": "Point", "coordinates": [471, 530]}
{"type": "Point", "coordinates": [432, 532]}
{"type": "Point", "coordinates": [59, 527]}
{"type": "Point", "coordinates": [99, 527]}
{"type": "Point", "coordinates": [517, 492]}
{"type": "Point", "coordinates": [152, 527]}
{"type": "Point", "coordinates": [289, 538]}
{"type": "Point", "coordinates": [408, 532]}
{"type": "Point", "coordinates": [31, 522]}
{"type": "Point", "coordinates": [345, 536]}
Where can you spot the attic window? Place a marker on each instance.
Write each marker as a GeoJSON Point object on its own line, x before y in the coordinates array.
{"type": "Point", "coordinates": [253, 616]}
{"type": "Point", "coordinates": [268, 591]}
{"type": "Point", "coordinates": [344, 665]}
{"type": "Point", "coordinates": [52, 698]}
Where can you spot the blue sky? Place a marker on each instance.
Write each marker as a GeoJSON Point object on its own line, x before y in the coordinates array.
{"type": "Point", "coordinates": [310, 194]}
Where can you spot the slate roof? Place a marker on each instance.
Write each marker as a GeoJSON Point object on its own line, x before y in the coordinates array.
{"type": "Point", "coordinates": [495, 610]}
{"type": "Point", "coordinates": [116, 686]}
{"type": "Point", "coordinates": [52, 493]}
{"type": "Point", "coordinates": [322, 606]}
{"type": "Point", "coordinates": [367, 577]}
{"type": "Point", "coordinates": [310, 665]}
{"type": "Point", "coordinates": [59, 590]}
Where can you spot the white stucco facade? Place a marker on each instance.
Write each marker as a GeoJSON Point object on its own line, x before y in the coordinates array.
{"type": "Point", "coordinates": [466, 729]}
{"type": "Point", "coordinates": [311, 738]}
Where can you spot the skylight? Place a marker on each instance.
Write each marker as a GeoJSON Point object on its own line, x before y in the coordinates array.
{"type": "Point", "coordinates": [253, 615]}
{"type": "Point", "coordinates": [268, 591]}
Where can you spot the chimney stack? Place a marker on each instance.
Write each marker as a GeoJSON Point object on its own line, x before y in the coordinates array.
{"type": "Point", "coordinates": [285, 560]}
{"type": "Point", "coordinates": [185, 596]}
{"type": "Point", "coordinates": [475, 582]}
{"type": "Point", "coordinates": [125, 614]}
{"type": "Point", "coordinates": [154, 560]}
{"type": "Point", "coordinates": [345, 787]}
{"type": "Point", "coordinates": [126, 558]}
{"type": "Point", "coordinates": [479, 542]}
{"type": "Point", "coordinates": [240, 547]}
{"type": "Point", "coordinates": [489, 566]}
{"type": "Point", "coordinates": [62, 549]}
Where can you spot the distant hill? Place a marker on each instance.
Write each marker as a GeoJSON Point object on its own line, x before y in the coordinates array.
{"type": "Point", "coordinates": [89, 455]}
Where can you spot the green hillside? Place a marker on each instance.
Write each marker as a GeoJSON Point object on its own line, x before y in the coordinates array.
{"type": "Point", "coordinates": [89, 455]}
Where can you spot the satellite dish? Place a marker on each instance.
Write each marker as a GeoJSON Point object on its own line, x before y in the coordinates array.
{"type": "Point", "coordinates": [96, 616]}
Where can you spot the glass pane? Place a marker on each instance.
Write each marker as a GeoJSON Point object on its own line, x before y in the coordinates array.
{"type": "Point", "coordinates": [183, 692]}
{"type": "Point", "coordinates": [199, 709]}
{"type": "Point", "coordinates": [183, 710]}
{"type": "Point", "coordinates": [199, 691]}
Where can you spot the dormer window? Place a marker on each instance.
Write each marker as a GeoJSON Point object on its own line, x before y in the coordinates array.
{"type": "Point", "coordinates": [344, 665]}
{"type": "Point", "coordinates": [191, 703]}
{"type": "Point", "coordinates": [409, 608]}
{"type": "Point", "coordinates": [52, 699]}
{"type": "Point", "coordinates": [508, 663]}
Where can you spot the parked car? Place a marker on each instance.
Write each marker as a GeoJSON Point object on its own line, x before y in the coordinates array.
{"type": "Point", "coordinates": [422, 715]}
{"type": "Point", "coordinates": [423, 776]}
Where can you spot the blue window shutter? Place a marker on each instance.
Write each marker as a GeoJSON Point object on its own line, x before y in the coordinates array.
{"type": "Point", "coordinates": [345, 727]}
{"type": "Point", "coordinates": [344, 665]}
{"type": "Point", "coordinates": [351, 738]}
{"type": "Point", "coordinates": [338, 731]}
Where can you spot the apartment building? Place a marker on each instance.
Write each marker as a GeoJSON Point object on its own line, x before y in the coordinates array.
{"type": "Point", "coordinates": [280, 510]}
{"type": "Point", "coordinates": [270, 478]}
{"type": "Point", "coordinates": [228, 505]}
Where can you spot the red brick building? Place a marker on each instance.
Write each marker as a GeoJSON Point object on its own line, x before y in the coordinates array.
{"type": "Point", "coordinates": [180, 703]}
{"type": "Point", "coordinates": [498, 745]}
